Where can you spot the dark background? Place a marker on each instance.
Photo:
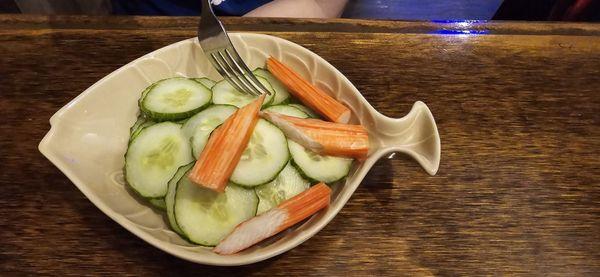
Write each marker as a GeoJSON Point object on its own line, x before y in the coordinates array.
{"type": "Point", "coordinates": [555, 10]}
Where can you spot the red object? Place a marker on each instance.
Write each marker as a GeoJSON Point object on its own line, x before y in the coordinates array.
{"type": "Point", "coordinates": [576, 10]}
{"type": "Point", "coordinates": [573, 10]}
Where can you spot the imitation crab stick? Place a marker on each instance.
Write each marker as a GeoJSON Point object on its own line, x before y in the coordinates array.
{"type": "Point", "coordinates": [275, 220]}
{"type": "Point", "coordinates": [323, 137]}
{"type": "Point", "coordinates": [310, 95]}
{"type": "Point", "coordinates": [225, 147]}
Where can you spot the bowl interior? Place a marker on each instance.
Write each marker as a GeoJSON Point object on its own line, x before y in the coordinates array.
{"type": "Point", "coordinates": [88, 139]}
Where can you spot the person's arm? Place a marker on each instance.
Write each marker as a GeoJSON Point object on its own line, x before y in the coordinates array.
{"type": "Point", "coordinates": [300, 9]}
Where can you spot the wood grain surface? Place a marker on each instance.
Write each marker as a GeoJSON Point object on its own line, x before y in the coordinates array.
{"type": "Point", "coordinates": [517, 106]}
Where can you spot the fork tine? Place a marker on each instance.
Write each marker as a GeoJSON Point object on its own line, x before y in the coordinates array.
{"type": "Point", "coordinates": [249, 76]}
{"type": "Point", "coordinates": [238, 76]}
{"type": "Point", "coordinates": [214, 40]}
{"type": "Point", "coordinates": [222, 70]}
{"type": "Point", "coordinates": [241, 74]}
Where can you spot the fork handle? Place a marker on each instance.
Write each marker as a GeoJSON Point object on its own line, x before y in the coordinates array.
{"type": "Point", "coordinates": [206, 7]}
{"type": "Point", "coordinates": [208, 18]}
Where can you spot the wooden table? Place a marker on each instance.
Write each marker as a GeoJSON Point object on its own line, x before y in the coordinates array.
{"type": "Point", "coordinates": [517, 106]}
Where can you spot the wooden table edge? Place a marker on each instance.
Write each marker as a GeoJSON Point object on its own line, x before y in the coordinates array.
{"type": "Point", "coordinates": [19, 21]}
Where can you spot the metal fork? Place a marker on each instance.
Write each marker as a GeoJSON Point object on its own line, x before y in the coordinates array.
{"type": "Point", "coordinates": [220, 52]}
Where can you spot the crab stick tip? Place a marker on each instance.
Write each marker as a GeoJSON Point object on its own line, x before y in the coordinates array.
{"type": "Point", "coordinates": [275, 220]}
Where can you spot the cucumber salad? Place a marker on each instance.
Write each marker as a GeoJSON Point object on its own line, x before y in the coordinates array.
{"type": "Point", "coordinates": [177, 118]}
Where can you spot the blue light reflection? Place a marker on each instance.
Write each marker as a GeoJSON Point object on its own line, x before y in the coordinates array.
{"type": "Point", "coordinates": [460, 32]}
{"type": "Point", "coordinates": [459, 27]}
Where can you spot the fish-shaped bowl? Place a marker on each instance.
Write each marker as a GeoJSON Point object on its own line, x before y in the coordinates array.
{"type": "Point", "coordinates": [88, 138]}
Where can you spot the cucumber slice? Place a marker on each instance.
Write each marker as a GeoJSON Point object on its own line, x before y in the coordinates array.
{"type": "Point", "coordinates": [144, 92]}
{"type": "Point", "coordinates": [200, 126]}
{"type": "Point", "coordinates": [170, 197]}
{"type": "Point", "coordinates": [153, 157]}
{"type": "Point", "coordinates": [225, 93]}
{"type": "Point", "coordinates": [264, 157]}
{"type": "Point", "coordinates": [136, 126]}
{"type": "Point", "coordinates": [319, 168]}
{"type": "Point", "coordinates": [287, 184]}
{"type": "Point", "coordinates": [281, 93]}
{"type": "Point", "coordinates": [158, 203]}
{"type": "Point", "coordinates": [206, 216]}
{"type": "Point", "coordinates": [141, 123]}
{"type": "Point", "coordinates": [175, 98]}
{"type": "Point", "coordinates": [208, 83]}
{"type": "Point", "coordinates": [309, 112]}
{"type": "Point", "coordinates": [287, 110]}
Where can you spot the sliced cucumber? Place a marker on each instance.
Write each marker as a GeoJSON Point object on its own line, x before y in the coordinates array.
{"type": "Point", "coordinates": [144, 92]}
{"type": "Point", "coordinates": [206, 82]}
{"type": "Point", "coordinates": [170, 197]}
{"type": "Point", "coordinates": [175, 98]}
{"type": "Point", "coordinates": [225, 93]}
{"type": "Point", "coordinates": [287, 110]}
{"type": "Point", "coordinates": [153, 157]}
{"type": "Point", "coordinates": [281, 94]}
{"type": "Point", "coordinates": [158, 203]}
{"type": "Point", "coordinates": [326, 169]}
{"type": "Point", "coordinates": [264, 157]}
{"type": "Point", "coordinates": [199, 126]}
{"type": "Point", "coordinates": [309, 112]}
{"type": "Point", "coordinates": [136, 126]}
{"type": "Point", "coordinates": [287, 184]}
{"type": "Point", "coordinates": [141, 123]}
{"type": "Point", "coordinates": [206, 216]}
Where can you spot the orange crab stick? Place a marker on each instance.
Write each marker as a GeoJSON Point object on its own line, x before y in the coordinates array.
{"type": "Point", "coordinates": [275, 220]}
{"type": "Point", "coordinates": [323, 137]}
{"type": "Point", "coordinates": [310, 95]}
{"type": "Point", "coordinates": [225, 147]}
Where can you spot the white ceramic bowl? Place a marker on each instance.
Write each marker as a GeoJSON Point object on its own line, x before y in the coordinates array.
{"type": "Point", "coordinates": [88, 139]}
